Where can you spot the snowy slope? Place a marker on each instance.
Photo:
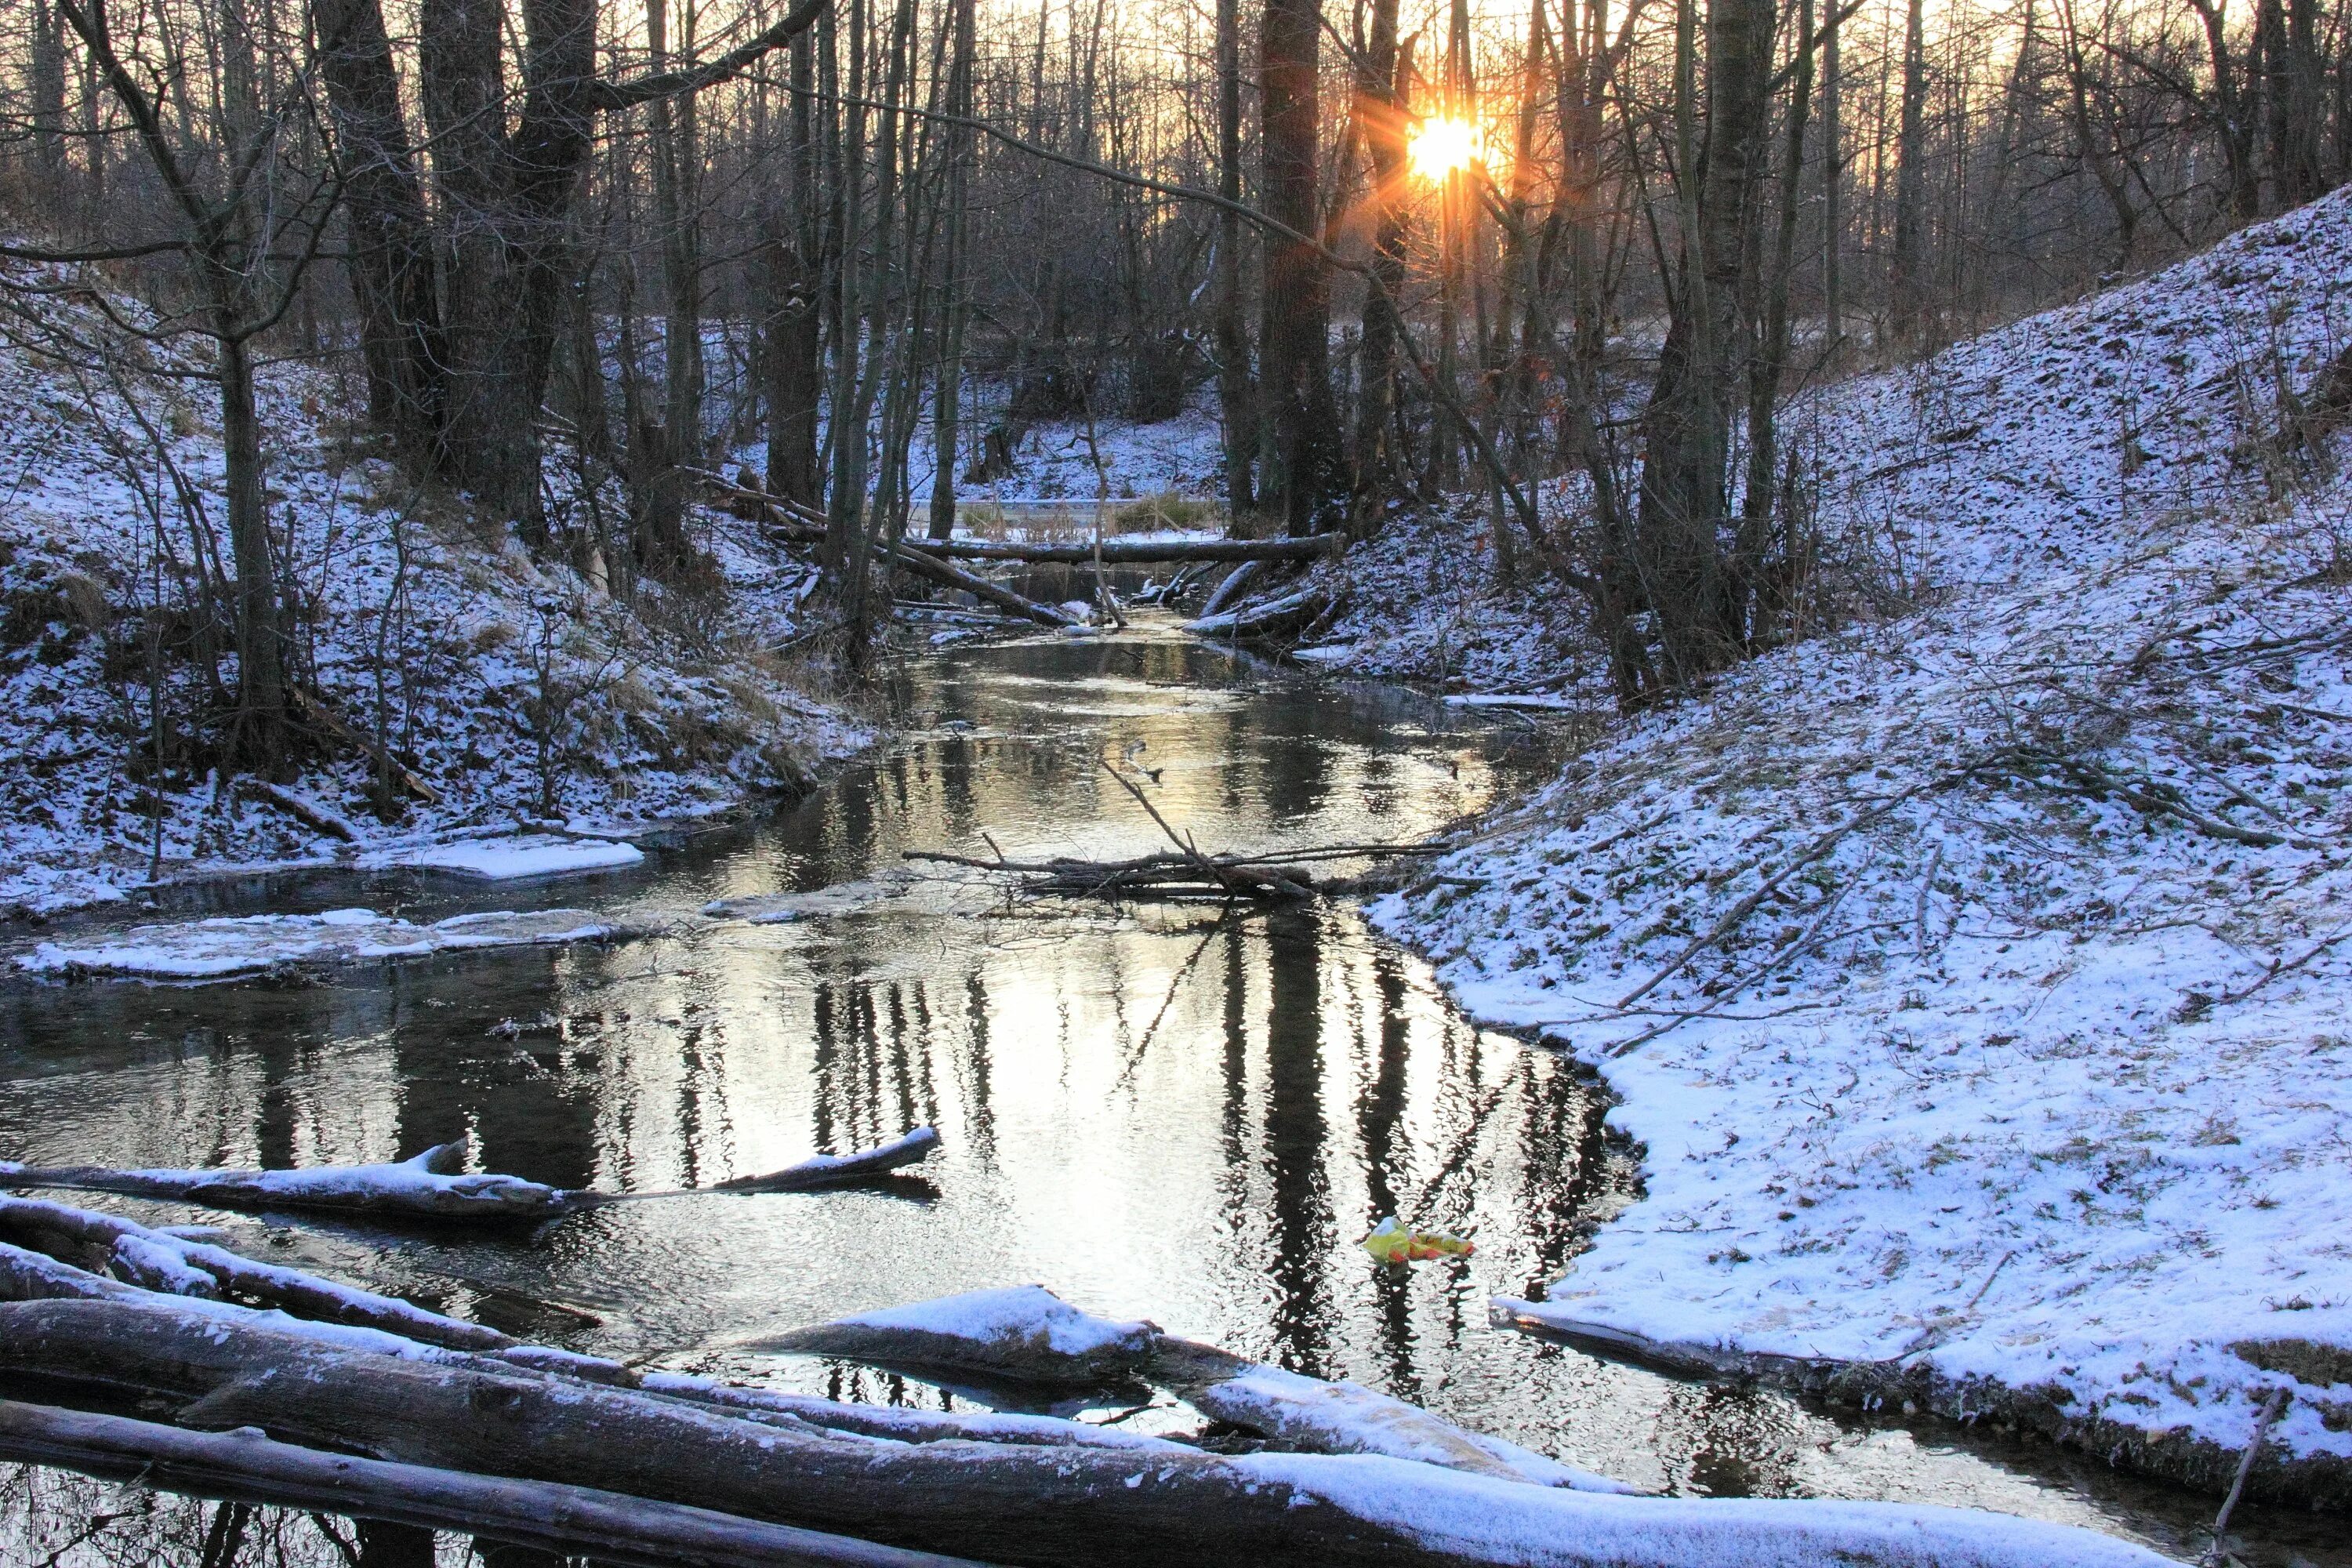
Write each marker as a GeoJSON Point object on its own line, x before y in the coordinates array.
{"type": "Point", "coordinates": [530, 693]}
{"type": "Point", "coordinates": [1976, 981]}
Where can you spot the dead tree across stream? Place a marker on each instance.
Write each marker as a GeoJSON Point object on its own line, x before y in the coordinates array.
{"type": "Point", "coordinates": [1186, 871]}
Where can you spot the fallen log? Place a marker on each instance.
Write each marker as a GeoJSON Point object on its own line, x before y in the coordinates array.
{"type": "Point", "coordinates": [1293, 612]}
{"type": "Point", "coordinates": [1024, 1334]}
{"type": "Point", "coordinates": [802, 526]}
{"type": "Point", "coordinates": [1166, 876]}
{"type": "Point", "coordinates": [31, 1276]}
{"type": "Point", "coordinates": [838, 1170]}
{"type": "Point", "coordinates": [1028, 1335]}
{"type": "Point", "coordinates": [435, 1186]}
{"type": "Point", "coordinates": [924, 565]}
{"type": "Point", "coordinates": [1141, 551]}
{"type": "Point", "coordinates": [1317, 1417]}
{"type": "Point", "coordinates": [245, 1466]}
{"type": "Point", "coordinates": [159, 1261]}
{"type": "Point", "coordinates": [999, 1503]}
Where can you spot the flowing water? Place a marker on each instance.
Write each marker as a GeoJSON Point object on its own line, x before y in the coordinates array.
{"type": "Point", "coordinates": [1184, 1113]}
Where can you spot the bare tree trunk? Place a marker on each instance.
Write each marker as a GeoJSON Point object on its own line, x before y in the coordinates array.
{"type": "Point", "coordinates": [390, 259]}
{"type": "Point", "coordinates": [2233, 120]}
{"type": "Point", "coordinates": [47, 79]}
{"type": "Point", "coordinates": [1833, 189]}
{"type": "Point", "coordinates": [1294, 335]}
{"type": "Point", "coordinates": [676, 156]}
{"type": "Point", "coordinates": [1766, 370]}
{"type": "Point", "coordinates": [1236, 387]}
{"type": "Point", "coordinates": [956, 282]}
{"type": "Point", "coordinates": [793, 361]}
{"type": "Point", "coordinates": [1384, 92]}
{"type": "Point", "coordinates": [1905, 278]}
{"type": "Point", "coordinates": [1679, 557]}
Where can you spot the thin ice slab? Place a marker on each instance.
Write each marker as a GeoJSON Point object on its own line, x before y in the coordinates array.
{"type": "Point", "coordinates": [527, 855]}
{"type": "Point", "coordinates": [232, 949]}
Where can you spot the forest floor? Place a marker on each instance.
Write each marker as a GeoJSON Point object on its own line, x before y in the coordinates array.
{"type": "Point", "coordinates": [516, 688]}
{"type": "Point", "coordinates": [1975, 975]}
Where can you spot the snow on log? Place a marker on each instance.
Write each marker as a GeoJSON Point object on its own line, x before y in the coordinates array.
{"type": "Point", "coordinates": [908, 1425]}
{"type": "Point", "coordinates": [245, 1466]}
{"type": "Point", "coordinates": [835, 1169]}
{"type": "Point", "coordinates": [234, 948]}
{"type": "Point", "coordinates": [1035, 1505]}
{"type": "Point", "coordinates": [160, 1261]}
{"type": "Point", "coordinates": [1319, 1417]}
{"type": "Point", "coordinates": [1024, 1333]}
{"type": "Point", "coordinates": [1028, 1334]}
{"type": "Point", "coordinates": [434, 1184]}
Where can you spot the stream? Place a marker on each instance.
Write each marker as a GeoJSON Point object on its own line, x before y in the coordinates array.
{"type": "Point", "coordinates": [1178, 1111]}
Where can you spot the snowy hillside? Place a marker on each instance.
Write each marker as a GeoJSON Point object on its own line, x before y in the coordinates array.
{"type": "Point", "coordinates": [1975, 980]}
{"type": "Point", "coordinates": [513, 689]}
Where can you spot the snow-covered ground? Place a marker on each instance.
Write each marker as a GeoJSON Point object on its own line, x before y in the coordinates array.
{"type": "Point", "coordinates": [515, 687]}
{"type": "Point", "coordinates": [1975, 980]}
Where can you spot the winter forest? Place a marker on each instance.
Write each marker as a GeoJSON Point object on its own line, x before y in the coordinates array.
{"type": "Point", "coordinates": [902, 782]}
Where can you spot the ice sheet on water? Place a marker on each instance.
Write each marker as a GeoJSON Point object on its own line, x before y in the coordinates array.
{"type": "Point", "coordinates": [529, 855]}
{"type": "Point", "coordinates": [230, 947]}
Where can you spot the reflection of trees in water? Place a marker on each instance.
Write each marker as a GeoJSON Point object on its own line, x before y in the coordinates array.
{"type": "Point", "coordinates": [56, 1519]}
{"type": "Point", "coordinates": [871, 1058]}
{"type": "Point", "coordinates": [53, 1519]}
{"type": "Point", "coordinates": [1297, 1138]}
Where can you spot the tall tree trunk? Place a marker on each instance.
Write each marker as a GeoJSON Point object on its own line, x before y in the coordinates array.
{"type": "Point", "coordinates": [46, 81]}
{"type": "Point", "coordinates": [947, 409]}
{"type": "Point", "coordinates": [2234, 120]}
{"type": "Point", "coordinates": [389, 258]}
{"type": "Point", "coordinates": [464, 95]}
{"type": "Point", "coordinates": [676, 156]}
{"type": "Point", "coordinates": [793, 357]}
{"type": "Point", "coordinates": [261, 695]}
{"type": "Point", "coordinates": [1294, 335]}
{"type": "Point", "coordinates": [1757, 595]}
{"type": "Point", "coordinates": [1679, 559]}
{"type": "Point", "coordinates": [1907, 277]}
{"type": "Point", "coordinates": [1833, 187]}
{"type": "Point", "coordinates": [1385, 90]}
{"type": "Point", "coordinates": [1236, 387]}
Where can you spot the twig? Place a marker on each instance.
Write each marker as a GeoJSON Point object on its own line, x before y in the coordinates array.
{"type": "Point", "coordinates": [1919, 911]}
{"type": "Point", "coordinates": [1746, 905]}
{"type": "Point", "coordinates": [2271, 1409]}
{"type": "Point", "coordinates": [2278, 968]}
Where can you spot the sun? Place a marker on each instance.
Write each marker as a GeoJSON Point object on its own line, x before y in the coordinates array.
{"type": "Point", "coordinates": [1442, 144]}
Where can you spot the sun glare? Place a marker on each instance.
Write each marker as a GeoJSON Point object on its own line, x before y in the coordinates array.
{"type": "Point", "coordinates": [1442, 144]}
